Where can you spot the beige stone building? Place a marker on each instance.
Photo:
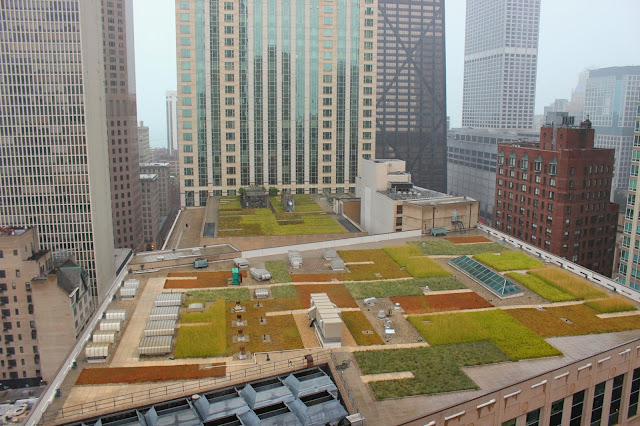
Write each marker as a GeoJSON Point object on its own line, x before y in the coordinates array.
{"type": "Point", "coordinates": [389, 202]}
{"type": "Point", "coordinates": [43, 311]}
{"type": "Point", "coordinates": [276, 95]}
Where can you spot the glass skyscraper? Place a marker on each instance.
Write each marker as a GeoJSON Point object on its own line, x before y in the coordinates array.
{"type": "Point", "coordinates": [411, 106]}
{"type": "Point", "coordinates": [275, 93]}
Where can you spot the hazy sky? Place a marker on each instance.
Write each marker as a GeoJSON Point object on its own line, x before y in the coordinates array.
{"type": "Point", "coordinates": [574, 34]}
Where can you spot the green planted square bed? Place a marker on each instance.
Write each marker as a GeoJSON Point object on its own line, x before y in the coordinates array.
{"type": "Point", "coordinates": [435, 369]}
{"type": "Point", "coordinates": [444, 247]}
{"type": "Point", "coordinates": [508, 260]}
{"type": "Point", "coordinates": [408, 287]}
{"type": "Point", "coordinates": [509, 335]}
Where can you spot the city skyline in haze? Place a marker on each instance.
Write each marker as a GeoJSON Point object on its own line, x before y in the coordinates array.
{"type": "Point", "coordinates": [574, 35]}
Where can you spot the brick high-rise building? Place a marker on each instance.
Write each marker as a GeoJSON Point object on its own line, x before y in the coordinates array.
{"type": "Point", "coordinates": [122, 125]}
{"type": "Point", "coordinates": [279, 93]}
{"type": "Point", "coordinates": [555, 194]}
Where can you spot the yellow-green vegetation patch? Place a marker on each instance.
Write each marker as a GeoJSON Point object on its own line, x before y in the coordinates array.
{"type": "Point", "coordinates": [277, 333]}
{"type": "Point", "coordinates": [509, 335]}
{"type": "Point", "coordinates": [419, 266]}
{"type": "Point", "coordinates": [611, 305]}
{"type": "Point", "coordinates": [383, 266]}
{"type": "Point", "coordinates": [279, 271]}
{"type": "Point", "coordinates": [444, 247]}
{"type": "Point", "coordinates": [256, 222]}
{"type": "Point", "coordinates": [228, 294]}
{"type": "Point", "coordinates": [284, 291]}
{"type": "Point", "coordinates": [358, 324]}
{"type": "Point", "coordinates": [580, 288]}
{"type": "Point", "coordinates": [508, 260]}
{"type": "Point", "coordinates": [541, 287]}
{"type": "Point", "coordinates": [410, 287]}
{"type": "Point", "coordinates": [573, 320]}
{"type": "Point", "coordinates": [435, 369]}
{"type": "Point", "coordinates": [207, 340]}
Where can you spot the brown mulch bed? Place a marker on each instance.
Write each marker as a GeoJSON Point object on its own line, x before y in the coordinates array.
{"type": "Point", "coordinates": [314, 278]}
{"type": "Point", "coordinates": [467, 240]}
{"type": "Point", "coordinates": [204, 279]}
{"type": "Point", "coordinates": [441, 302]}
{"type": "Point", "coordinates": [336, 292]}
{"type": "Point", "coordinates": [102, 376]}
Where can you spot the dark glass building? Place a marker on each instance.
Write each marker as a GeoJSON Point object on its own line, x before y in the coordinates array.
{"type": "Point", "coordinates": [411, 89]}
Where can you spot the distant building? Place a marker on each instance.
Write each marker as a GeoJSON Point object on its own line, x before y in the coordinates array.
{"type": "Point", "coordinates": [43, 311]}
{"type": "Point", "coordinates": [559, 105]}
{"type": "Point", "coordinates": [610, 103]}
{"type": "Point", "coordinates": [389, 202]}
{"type": "Point", "coordinates": [150, 210]}
{"type": "Point", "coordinates": [143, 143]}
{"type": "Point", "coordinates": [164, 184]}
{"type": "Point", "coordinates": [555, 194]}
{"type": "Point", "coordinates": [172, 121]}
{"type": "Point", "coordinates": [576, 105]}
{"type": "Point", "coordinates": [471, 167]}
{"type": "Point", "coordinates": [122, 120]}
{"type": "Point", "coordinates": [500, 63]}
{"type": "Point", "coordinates": [411, 88]}
{"type": "Point", "coordinates": [628, 271]}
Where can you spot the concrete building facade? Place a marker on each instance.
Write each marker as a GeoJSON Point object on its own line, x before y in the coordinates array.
{"type": "Point", "coordinates": [471, 168]}
{"type": "Point", "coordinates": [143, 143]}
{"type": "Point", "coordinates": [389, 202]}
{"type": "Point", "coordinates": [162, 170]}
{"type": "Point", "coordinates": [150, 209]}
{"type": "Point", "coordinates": [628, 271]}
{"type": "Point", "coordinates": [120, 89]}
{"type": "Point", "coordinates": [500, 63]}
{"type": "Point", "coordinates": [411, 94]}
{"type": "Point", "coordinates": [171, 102]}
{"type": "Point", "coordinates": [610, 103]}
{"type": "Point", "coordinates": [277, 94]}
{"type": "Point", "coordinates": [555, 195]}
{"type": "Point", "coordinates": [43, 310]}
{"type": "Point", "coordinates": [55, 170]}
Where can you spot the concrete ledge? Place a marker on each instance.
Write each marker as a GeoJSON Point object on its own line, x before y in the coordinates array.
{"type": "Point", "coordinates": [387, 376]}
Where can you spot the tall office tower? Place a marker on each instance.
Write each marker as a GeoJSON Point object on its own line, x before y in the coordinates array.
{"type": "Point", "coordinates": [555, 195]}
{"type": "Point", "coordinates": [610, 102]}
{"type": "Point", "coordinates": [278, 93]}
{"type": "Point", "coordinates": [411, 100]}
{"type": "Point", "coordinates": [576, 104]}
{"type": "Point", "coordinates": [628, 271]}
{"type": "Point", "coordinates": [120, 84]}
{"type": "Point", "coordinates": [171, 101]}
{"type": "Point", "coordinates": [143, 143]}
{"type": "Point", "coordinates": [500, 63]}
{"type": "Point", "coordinates": [54, 166]}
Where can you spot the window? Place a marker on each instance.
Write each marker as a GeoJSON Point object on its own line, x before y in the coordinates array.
{"type": "Point", "coordinates": [634, 393]}
{"type": "Point", "coordinates": [533, 418]}
{"type": "Point", "coordinates": [616, 397]}
{"type": "Point", "coordinates": [556, 413]}
{"type": "Point", "coordinates": [598, 400]}
{"type": "Point", "coordinates": [501, 158]}
{"type": "Point", "coordinates": [553, 167]}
